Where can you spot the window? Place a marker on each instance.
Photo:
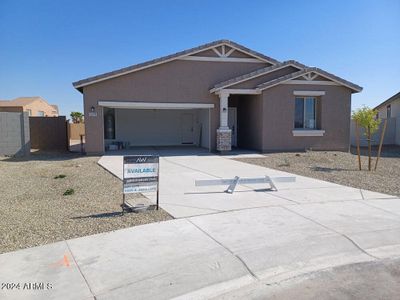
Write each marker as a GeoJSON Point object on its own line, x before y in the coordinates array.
{"type": "Point", "coordinates": [388, 111]}
{"type": "Point", "coordinates": [40, 113]}
{"type": "Point", "coordinates": [29, 112]}
{"type": "Point", "coordinates": [305, 113]}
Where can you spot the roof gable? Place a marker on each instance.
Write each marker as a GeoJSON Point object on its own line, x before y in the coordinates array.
{"type": "Point", "coordinates": [308, 75]}
{"type": "Point", "coordinates": [223, 50]}
{"type": "Point", "coordinates": [257, 73]}
{"type": "Point", "coordinates": [228, 51]}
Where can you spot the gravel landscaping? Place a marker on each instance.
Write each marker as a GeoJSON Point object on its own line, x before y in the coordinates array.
{"type": "Point", "coordinates": [34, 210]}
{"type": "Point", "coordinates": [340, 167]}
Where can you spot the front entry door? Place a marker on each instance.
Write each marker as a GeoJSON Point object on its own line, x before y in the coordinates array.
{"type": "Point", "coordinates": [232, 124]}
{"type": "Point", "coordinates": [187, 128]}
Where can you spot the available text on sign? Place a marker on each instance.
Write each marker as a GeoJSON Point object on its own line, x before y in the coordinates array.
{"type": "Point", "coordinates": [140, 173]}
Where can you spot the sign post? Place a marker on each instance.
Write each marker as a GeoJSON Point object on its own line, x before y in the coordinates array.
{"type": "Point", "coordinates": [140, 174]}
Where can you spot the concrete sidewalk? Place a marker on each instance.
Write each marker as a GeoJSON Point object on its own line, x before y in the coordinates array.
{"type": "Point", "coordinates": [220, 243]}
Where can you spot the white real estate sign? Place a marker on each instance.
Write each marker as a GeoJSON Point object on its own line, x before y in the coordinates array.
{"type": "Point", "coordinates": [140, 173]}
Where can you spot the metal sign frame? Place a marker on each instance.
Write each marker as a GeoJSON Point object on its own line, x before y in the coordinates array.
{"type": "Point", "coordinates": [136, 180]}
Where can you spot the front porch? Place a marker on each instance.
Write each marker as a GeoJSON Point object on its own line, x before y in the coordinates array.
{"type": "Point", "coordinates": [240, 120]}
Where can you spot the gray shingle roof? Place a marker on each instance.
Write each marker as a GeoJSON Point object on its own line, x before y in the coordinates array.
{"type": "Point", "coordinates": [256, 73]}
{"type": "Point", "coordinates": [79, 84]}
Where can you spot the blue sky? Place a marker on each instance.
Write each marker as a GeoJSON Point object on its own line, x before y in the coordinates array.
{"type": "Point", "coordinates": [46, 45]}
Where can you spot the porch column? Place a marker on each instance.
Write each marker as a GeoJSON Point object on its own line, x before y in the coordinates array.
{"type": "Point", "coordinates": [224, 134]}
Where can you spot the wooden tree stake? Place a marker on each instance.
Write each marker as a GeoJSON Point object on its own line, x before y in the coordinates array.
{"type": "Point", "coordinates": [358, 145]}
{"type": "Point", "coordinates": [380, 144]}
{"type": "Point", "coordinates": [369, 148]}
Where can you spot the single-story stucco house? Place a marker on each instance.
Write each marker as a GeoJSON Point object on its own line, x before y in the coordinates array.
{"type": "Point", "coordinates": [218, 96]}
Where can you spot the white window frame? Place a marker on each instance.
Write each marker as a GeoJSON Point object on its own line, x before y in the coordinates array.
{"type": "Point", "coordinates": [308, 131]}
{"type": "Point", "coordinates": [304, 112]}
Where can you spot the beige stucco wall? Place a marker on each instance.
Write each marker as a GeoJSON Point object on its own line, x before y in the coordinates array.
{"type": "Point", "coordinates": [278, 119]}
{"type": "Point", "coordinates": [177, 81]}
{"type": "Point", "coordinates": [35, 106]}
{"type": "Point", "coordinates": [39, 105]}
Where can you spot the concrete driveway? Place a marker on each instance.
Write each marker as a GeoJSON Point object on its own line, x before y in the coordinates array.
{"type": "Point", "coordinates": [219, 243]}
{"type": "Point", "coordinates": [180, 167]}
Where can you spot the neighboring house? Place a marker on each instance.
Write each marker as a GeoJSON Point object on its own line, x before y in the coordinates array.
{"type": "Point", "coordinates": [388, 111]}
{"type": "Point", "coordinates": [35, 106]}
{"type": "Point", "coordinates": [389, 108]}
{"type": "Point", "coordinates": [216, 96]}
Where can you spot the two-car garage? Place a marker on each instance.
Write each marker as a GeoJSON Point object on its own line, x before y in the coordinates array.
{"type": "Point", "coordinates": [132, 124]}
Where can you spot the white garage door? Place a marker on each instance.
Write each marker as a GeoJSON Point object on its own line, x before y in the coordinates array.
{"type": "Point", "coordinates": [162, 127]}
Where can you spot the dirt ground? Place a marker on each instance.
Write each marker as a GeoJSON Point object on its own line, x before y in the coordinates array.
{"type": "Point", "coordinates": [34, 210]}
{"type": "Point", "coordinates": [340, 167]}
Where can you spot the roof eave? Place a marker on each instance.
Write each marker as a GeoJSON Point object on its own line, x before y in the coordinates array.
{"type": "Point", "coordinates": [390, 100]}
{"type": "Point", "coordinates": [353, 87]}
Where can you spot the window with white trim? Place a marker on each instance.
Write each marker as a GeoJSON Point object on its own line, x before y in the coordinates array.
{"type": "Point", "coordinates": [305, 113]}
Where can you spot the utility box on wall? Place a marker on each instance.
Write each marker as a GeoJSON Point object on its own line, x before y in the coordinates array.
{"type": "Point", "coordinates": [14, 134]}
